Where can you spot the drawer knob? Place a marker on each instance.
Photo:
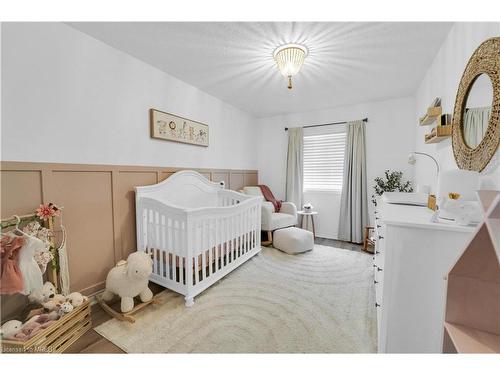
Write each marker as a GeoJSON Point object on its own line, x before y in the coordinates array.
{"type": "Point", "coordinates": [377, 252]}
{"type": "Point", "coordinates": [376, 304]}
{"type": "Point", "coordinates": [379, 226]}
{"type": "Point", "coordinates": [380, 237]}
{"type": "Point", "coordinates": [379, 269]}
{"type": "Point", "coordinates": [375, 281]}
{"type": "Point", "coordinates": [376, 218]}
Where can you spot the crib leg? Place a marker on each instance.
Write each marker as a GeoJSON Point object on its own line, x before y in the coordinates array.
{"type": "Point", "coordinates": [189, 301]}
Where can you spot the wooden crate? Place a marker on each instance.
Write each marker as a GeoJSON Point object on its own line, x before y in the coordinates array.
{"type": "Point", "coordinates": [57, 337]}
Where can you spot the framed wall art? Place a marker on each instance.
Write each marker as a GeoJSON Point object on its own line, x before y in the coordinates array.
{"type": "Point", "coordinates": [178, 129]}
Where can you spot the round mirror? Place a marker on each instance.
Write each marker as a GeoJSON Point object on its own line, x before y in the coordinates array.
{"type": "Point", "coordinates": [476, 116]}
{"type": "Point", "coordinates": [477, 111]}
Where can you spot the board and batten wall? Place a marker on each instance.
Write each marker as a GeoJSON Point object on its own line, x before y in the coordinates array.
{"type": "Point", "coordinates": [99, 207]}
{"type": "Point", "coordinates": [75, 131]}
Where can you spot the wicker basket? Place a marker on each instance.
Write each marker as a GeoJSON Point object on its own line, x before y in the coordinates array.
{"type": "Point", "coordinates": [57, 337]}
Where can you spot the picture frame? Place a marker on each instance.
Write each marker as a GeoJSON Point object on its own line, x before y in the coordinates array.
{"type": "Point", "coordinates": [169, 127]}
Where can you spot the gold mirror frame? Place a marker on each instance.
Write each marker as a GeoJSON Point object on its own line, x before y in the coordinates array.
{"type": "Point", "coordinates": [484, 60]}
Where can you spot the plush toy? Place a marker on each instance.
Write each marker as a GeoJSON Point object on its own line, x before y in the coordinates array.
{"type": "Point", "coordinates": [44, 318]}
{"type": "Point", "coordinates": [43, 294]}
{"type": "Point", "coordinates": [76, 299]}
{"type": "Point", "coordinates": [11, 328]}
{"type": "Point", "coordinates": [130, 279]}
{"type": "Point", "coordinates": [65, 308]}
{"type": "Point", "coordinates": [54, 302]}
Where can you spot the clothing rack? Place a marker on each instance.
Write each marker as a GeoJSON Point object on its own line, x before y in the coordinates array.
{"type": "Point", "coordinates": [330, 123]}
{"type": "Point", "coordinates": [52, 273]}
{"type": "Point", "coordinates": [15, 220]}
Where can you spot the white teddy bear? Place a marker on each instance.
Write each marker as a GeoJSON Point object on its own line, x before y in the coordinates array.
{"type": "Point", "coordinates": [43, 294]}
{"type": "Point", "coordinates": [130, 279]}
{"type": "Point", "coordinates": [76, 299]}
{"type": "Point", "coordinates": [11, 328]}
{"type": "Point", "coordinates": [65, 308]}
{"type": "Point", "coordinates": [54, 302]}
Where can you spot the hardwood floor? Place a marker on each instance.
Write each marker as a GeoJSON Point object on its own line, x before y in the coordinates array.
{"type": "Point", "coordinates": [92, 342]}
{"type": "Point", "coordinates": [338, 244]}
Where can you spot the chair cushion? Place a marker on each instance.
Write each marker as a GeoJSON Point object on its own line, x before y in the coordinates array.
{"type": "Point", "coordinates": [279, 220]}
{"type": "Point", "coordinates": [293, 240]}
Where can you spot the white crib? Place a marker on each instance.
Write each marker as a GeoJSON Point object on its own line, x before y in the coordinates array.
{"type": "Point", "coordinates": [195, 230]}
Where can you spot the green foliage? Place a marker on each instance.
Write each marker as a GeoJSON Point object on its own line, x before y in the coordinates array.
{"type": "Point", "coordinates": [392, 182]}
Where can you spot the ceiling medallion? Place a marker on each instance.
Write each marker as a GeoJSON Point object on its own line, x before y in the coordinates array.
{"type": "Point", "coordinates": [290, 58]}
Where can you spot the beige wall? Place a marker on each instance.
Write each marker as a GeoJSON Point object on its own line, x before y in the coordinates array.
{"type": "Point", "coordinates": [99, 207]}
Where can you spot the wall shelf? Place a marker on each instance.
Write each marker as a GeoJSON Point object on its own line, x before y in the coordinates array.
{"type": "Point", "coordinates": [472, 319]}
{"type": "Point", "coordinates": [438, 134]}
{"type": "Point", "coordinates": [432, 114]}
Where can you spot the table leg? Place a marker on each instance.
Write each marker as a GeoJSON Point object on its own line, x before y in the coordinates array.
{"type": "Point", "coordinates": [314, 230]}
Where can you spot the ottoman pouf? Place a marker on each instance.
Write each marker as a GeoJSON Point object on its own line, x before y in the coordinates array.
{"type": "Point", "coordinates": [293, 240]}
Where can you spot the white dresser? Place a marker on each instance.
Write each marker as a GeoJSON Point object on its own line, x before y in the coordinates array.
{"type": "Point", "coordinates": [412, 257]}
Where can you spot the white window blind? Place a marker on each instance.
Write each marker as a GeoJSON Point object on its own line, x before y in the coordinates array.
{"type": "Point", "coordinates": [324, 161]}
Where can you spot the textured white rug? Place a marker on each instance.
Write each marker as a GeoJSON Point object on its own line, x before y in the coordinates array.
{"type": "Point", "coordinates": [318, 302]}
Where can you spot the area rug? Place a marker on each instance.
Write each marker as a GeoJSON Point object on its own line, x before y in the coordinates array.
{"type": "Point", "coordinates": [321, 301]}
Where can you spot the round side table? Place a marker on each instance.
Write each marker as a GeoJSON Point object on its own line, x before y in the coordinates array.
{"type": "Point", "coordinates": [309, 216]}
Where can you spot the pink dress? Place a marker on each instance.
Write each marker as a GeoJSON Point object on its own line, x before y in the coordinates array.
{"type": "Point", "coordinates": [11, 280]}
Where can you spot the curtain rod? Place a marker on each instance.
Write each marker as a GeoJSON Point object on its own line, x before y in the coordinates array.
{"type": "Point", "coordinates": [330, 123]}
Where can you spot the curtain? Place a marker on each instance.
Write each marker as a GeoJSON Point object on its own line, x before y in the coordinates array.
{"type": "Point", "coordinates": [294, 166]}
{"type": "Point", "coordinates": [354, 202]}
{"type": "Point", "coordinates": [475, 125]}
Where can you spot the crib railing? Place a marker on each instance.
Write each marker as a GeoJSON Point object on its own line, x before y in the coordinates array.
{"type": "Point", "coordinates": [192, 249]}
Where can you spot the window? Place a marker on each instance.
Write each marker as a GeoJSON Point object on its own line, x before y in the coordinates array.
{"type": "Point", "coordinates": [324, 161]}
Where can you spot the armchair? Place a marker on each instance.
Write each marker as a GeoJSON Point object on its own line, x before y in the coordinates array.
{"type": "Point", "coordinates": [271, 220]}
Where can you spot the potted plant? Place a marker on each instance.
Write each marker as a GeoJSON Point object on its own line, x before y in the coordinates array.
{"type": "Point", "coordinates": [393, 181]}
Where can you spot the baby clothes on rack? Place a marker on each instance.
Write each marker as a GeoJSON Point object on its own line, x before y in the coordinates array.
{"type": "Point", "coordinates": [32, 275]}
{"type": "Point", "coordinates": [11, 280]}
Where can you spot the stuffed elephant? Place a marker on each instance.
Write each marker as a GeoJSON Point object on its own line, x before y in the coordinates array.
{"type": "Point", "coordinates": [129, 279]}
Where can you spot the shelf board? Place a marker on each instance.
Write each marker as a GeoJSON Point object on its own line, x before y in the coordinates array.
{"type": "Point", "coordinates": [437, 139]}
{"type": "Point", "coordinates": [432, 114]}
{"type": "Point", "coordinates": [470, 340]}
{"type": "Point", "coordinates": [442, 132]}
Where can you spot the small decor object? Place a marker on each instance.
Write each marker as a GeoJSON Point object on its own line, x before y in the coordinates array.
{"type": "Point", "coordinates": [290, 58]}
{"type": "Point", "coordinates": [431, 202]}
{"type": "Point", "coordinates": [47, 211]}
{"type": "Point", "coordinates": [368, 242]}
{"type": "Point", "coordinates": [475, 155]}
{"type": "Point", "coordinates": [392, 182]}
{"type": "Point", "coordinates": [129, 279]}
{"type": "Point", "coordinates": [178, 129]}
{"type": "Point", "coordinates": [308, 207]}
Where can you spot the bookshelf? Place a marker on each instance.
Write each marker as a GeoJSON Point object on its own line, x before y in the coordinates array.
{"type": "Point", "coordinates": [472, 318]}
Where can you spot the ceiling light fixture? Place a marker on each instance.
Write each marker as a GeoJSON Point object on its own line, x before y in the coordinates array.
{"type": "Point", "coordinates": [290, 58]}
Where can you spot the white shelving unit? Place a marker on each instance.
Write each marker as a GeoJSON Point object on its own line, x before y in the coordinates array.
{"type": "Point", "coordinates": [472, 320]}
